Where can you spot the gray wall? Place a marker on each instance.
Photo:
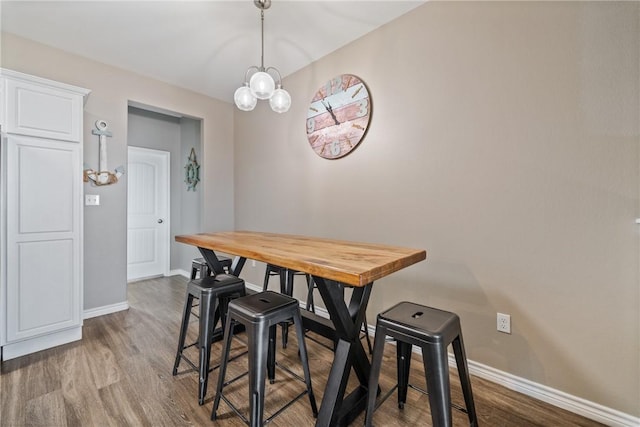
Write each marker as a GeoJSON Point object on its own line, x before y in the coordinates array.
{"type": "Point", "coordinates": [504, 141]}
{"type": "Point", "coordinates": [191, 201]}
{"type": "Point", "coordinates": [177, 135]}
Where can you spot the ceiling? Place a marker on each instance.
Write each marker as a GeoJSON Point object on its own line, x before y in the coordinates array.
{"type": "Point", "coordinates": [205, 46]}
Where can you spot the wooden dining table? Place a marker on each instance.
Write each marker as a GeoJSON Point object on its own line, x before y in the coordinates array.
{"type": "Point", "coordinates": [333, 264]}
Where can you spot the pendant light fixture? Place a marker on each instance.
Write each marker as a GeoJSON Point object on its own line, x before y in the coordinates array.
{"type": "Point", "coordinates": [261, 85]}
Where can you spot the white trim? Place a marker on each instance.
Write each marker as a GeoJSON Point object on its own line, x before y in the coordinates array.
{"type": "Point", "coordinates": [560, 399]}
{"type": "Point", "coordinates": [259, 289]}
{"type": "Point", "coordinates": [32, 345]}
{"type": "Point", "coordinates": [153, 108]}
{"type": "Point", "coordinates": [105, 309]}
{"type": "Point", "coordinates": [178, 272]}
{"type": "Point", "coordinates": [5, 72]}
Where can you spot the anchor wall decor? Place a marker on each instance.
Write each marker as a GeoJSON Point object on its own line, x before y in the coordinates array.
{"type": "Point", "coordinates": [102, 176]}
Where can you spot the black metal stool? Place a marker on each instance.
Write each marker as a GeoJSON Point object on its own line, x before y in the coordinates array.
{"type": "Point", "coordinates": [260, 313]}
{"type": "Point", "coordinates": [286, 282]}
{"type": "Point", "coordinates": [433, 330]}
{"type": "Point", "coordinates": [200, 268]}
{"type": "Point", "coordinates": [286, 287]}
{"type": "Point", "coordinates": [214, 293]}
{"type": "Point", "coordinates": [199, 265]}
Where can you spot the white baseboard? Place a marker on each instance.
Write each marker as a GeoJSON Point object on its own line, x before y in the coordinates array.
{"type": "Point", "coordinates": [32, 345]}
{"type": "Point", "coordinates": [178, 272]}
{"type": "Point", "coordinates": [577, 405]}
{"type": "Point", "coordinates": [105, 309]}
{"type": "Point", "coordinates": [258, 289]}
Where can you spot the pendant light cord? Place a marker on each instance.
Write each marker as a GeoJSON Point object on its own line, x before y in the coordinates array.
{"type": "Point", "coordinates": [262, 39]}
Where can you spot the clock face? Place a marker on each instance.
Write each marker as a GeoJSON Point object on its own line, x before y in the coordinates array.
{"type": "Point", "coordinates": [338, 116]}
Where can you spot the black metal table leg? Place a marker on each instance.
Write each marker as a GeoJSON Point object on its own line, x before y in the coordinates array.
{"type": "Point", "coordinates": [216, 267]}
{"type": "Point", "coordinates": [212, 260]}
{"type": "Point", "coordinates": [336, 409]}
{"type": "Point", "coordinates": [285, 289]}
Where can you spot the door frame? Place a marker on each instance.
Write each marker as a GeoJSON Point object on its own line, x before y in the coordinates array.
{"type": "Point", "coordinates": [166, 160]}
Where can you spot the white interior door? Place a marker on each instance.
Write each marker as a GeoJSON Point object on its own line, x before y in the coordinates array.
{"type": "Point", "coordinates": [147, 213]}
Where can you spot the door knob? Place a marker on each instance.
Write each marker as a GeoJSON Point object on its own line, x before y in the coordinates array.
{"type": "Point", "coordinates": [160, 221]}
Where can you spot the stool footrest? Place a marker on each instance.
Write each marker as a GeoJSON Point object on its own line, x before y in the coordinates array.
{"type": "Point", "coordinates": [233, 408]}
{"type": "Point", "coordinates": [385, 397]}
{"type": "Point", "coordinates": [189, 362]}
{"type": "Point", "coordinates": [290, 372]}
{"type": "Point", "coordinates": [234, 379]}
{"type": "Point", "coordinates": [267, 420]}
{"type": "Point", "coordinates": [279, 411]}
{"type": "Point", "coordinates": [195, 368]}
{"type": "Point", "coordinates": [426, 393]}
{"type": "Point", "coordinates": [231, 359]}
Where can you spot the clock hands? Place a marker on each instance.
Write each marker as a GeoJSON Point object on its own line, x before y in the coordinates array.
{"type": "Point", "coordinates": [330, 110]}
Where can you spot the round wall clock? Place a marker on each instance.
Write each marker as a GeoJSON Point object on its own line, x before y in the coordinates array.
{"type": "Point", "coordinates": [338, 116]}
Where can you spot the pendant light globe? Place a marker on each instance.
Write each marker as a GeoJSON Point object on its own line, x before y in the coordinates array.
{"type": "Point", "coordinates": [262, 85]}
{"type": "Point", "coordinates": [280, 101]}
{"type": "Point", "coordinates": [243, 98]}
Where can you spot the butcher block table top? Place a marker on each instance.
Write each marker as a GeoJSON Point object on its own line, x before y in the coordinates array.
{"type": "Point", "coordinates": [352, 263]}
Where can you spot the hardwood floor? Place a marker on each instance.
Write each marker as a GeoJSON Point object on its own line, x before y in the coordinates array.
{"type": "Point", "coordinates": [120, 375]}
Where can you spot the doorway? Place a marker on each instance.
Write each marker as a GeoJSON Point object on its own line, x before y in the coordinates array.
{"type": "Point", "coordinates": [147, 213]}
{"type": "Point", "coordinates": [157, 129]}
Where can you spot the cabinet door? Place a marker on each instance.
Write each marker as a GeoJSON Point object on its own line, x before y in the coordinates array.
{"type": "Point", "coordinates": [43, 236]}
{"type": "Point", "coordinates": [38, 110]}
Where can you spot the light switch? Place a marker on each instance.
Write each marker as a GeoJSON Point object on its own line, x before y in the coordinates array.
{"type": "Point", "coordinates": [91, 200]}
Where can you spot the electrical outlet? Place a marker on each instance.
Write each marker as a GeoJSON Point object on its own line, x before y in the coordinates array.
{"type": "Point", "coordinates": [504, 323]}
{"type": "Point", "coordinates": [91, 200]}
{"type": "Point", "coordinates": [253, 263]}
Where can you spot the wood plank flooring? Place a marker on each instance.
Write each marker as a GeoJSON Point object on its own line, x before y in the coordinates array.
{"type": "Point", "coordinates": [120, 375]}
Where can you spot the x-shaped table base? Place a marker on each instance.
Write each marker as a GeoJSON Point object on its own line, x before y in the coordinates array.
{"type": "Point", "coordinates": [336, 409]}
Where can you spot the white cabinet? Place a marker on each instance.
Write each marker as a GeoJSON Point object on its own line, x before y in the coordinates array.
{"type": "Point", "coordinates": [41, 262]}
{"type": "Point", "coordinates": [39, 110]}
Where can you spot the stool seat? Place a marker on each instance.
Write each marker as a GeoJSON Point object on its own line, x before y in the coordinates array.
{"type": "Point", "coordinates": [215, 283]}
{"type": "Point", "coordinates": [286, 282]}
{"type": "Point", "coordinates": [433, 330]}
{"type": "Point", "coordinates": [200, 265]}
{"type": "Point", "coordinates": [263, 306]}
{"type": "Point", "coordinates": [424, 324]}
{"type": "Point", "coordinates": [260, 314]}
{"type": "Point", "coordinates": [214, 292]}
